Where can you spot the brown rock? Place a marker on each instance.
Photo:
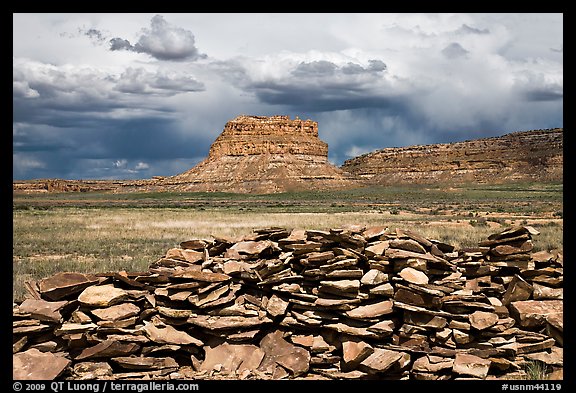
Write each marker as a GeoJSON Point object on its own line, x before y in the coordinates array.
{"type": "Point", "coordinates": [424, 320]}
{"type": "Point", "coordinates": [43, 310]}
{"type": "Point", "coordinates": [555, 327]}
{"type": "Point", "coordinates": [408, 245]}
{"type": "Point", "coordinates": [169, 335]}
{"type": "Point", "coordinates": [279, 351]}
{"type": "Point", "coordinates": [65, 284]}
{"type": "Point", "coordinates": [518, 289]}
{"type": "Point", "coordinates": [108, 348]}
{"type": "Point", "coordinates": [276, 306]}
{"type": "Point", "coordinates": [340, 287]}
{"type": "Point", "coordinates": [482, 320]}
{"type": "Point", "coordinates": [355, 352]}
{"type": "Point", "coordinates": [193, 274]}
{"type": "Point", "coordinates": [542, 292]}
{"type": "Point", "coordinates": [251, 247]}
{"type": "Point", "coordinates": [145, 363]}
{"type": "Point", "coordinates": [377, 248]}
{"type": "Point", "coordinates": [232, 358]}
{"type": "Point", "coordinates": [92, 370]}
{"type": "Point", "coordinates": [35, 365]}
{"type": "Point", "coordinates": [508, 249]}
{"type": "Point", "coordinates": [102, 295]}
{"type": "Point", "coordinates": [471, 365]}
{"type": "Point", "coordinates": [380, 360]}
{"type": "Point", "coordinates": [533, 313]}
{"type": "Point", "coordinates": [432, 364]}
{"type": "Point", "coordinates": [194, 244]}
{"type": "Point", "coordinates": [374, 232]}
{"type": "Point", "coordinates": [117, 312]}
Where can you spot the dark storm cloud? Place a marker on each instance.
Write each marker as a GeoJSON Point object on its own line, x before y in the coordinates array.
{"type": "Point", "coordinates": [162, 41]}
{"type": "Point", "coordinates": [63, 115]}
{"type": "Point", "coordinates": [553, 93]}
{"type": "Point", "coordinates": [454, 51]}
{"type": "Point", "coordinates": [319, 85]}
{"type": "Point", "coordinates": [110, 148]}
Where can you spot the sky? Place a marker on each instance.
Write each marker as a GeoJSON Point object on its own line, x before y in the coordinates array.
{"type": "Point", "coordinates": [131, 96]}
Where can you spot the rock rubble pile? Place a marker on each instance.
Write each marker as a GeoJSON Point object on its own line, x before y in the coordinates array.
{"type": "Point", "coordinates": [352, 303]}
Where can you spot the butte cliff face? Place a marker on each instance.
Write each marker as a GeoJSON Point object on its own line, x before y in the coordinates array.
{"type": "Point", "coordinates": [521, 156]}
{"type": "Point", "coordinates": [258, 154]}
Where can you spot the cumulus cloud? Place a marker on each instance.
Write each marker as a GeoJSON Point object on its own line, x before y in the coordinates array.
{"type": "Point", "coordinates": [162, 41]}
{"type": "Point", "coordinates": [140, 81]}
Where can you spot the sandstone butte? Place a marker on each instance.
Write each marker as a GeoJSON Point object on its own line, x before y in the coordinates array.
{"type": "Point", "coordinates": [260, 154]}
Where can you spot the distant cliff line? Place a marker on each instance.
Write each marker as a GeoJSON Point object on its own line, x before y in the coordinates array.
{"type": "Point", "coordinates": [535, 155]}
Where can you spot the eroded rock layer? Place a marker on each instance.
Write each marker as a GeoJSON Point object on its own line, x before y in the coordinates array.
{"type": "Point", "coordinates": [530, 155]}
{"type": "Point", "coordinates": [264, 154]}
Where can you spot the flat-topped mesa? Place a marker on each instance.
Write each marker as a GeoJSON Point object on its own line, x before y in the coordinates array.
{"type": "Point", "coordinates": [535, 155]}
{"type": "Point", "coordinates": [259, 154]}
{"type": "Point", "coordinates": [250, 135]}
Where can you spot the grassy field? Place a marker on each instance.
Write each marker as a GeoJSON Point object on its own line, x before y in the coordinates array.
{"type": "Point", "coordinates": [100, 232]}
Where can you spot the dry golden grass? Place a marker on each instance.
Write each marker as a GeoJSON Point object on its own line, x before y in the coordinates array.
{"type": "Point", "coordinates": [114, 239]}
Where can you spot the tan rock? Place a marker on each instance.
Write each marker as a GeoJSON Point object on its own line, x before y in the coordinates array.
{"type": "Point", "coordinates": [414, 276]}
{"type": "Point", "coordinates": [35, 365]}
{"type": "Point", "coordinates": [471, 365]}
{"type": "Point", "coordinates": [169, 335]}
{"type": "Point", "coordinates": [117, 312]}
{"type": "Point", "coordinates": [374, 277]}
{"type": "Point", "coordinates": [102, 295]}
{"type": "Point", "coordinates": [372, 310]}
{"type": "Point", "coordinates": [227, 322]}
{"type": "Point", "coordinates": [251, 247]}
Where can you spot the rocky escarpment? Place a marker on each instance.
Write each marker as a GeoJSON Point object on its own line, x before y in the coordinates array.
{"type": "Point", "coordinates": [530, 155]}
{"type": "Point", "coordinates": [262, 155]}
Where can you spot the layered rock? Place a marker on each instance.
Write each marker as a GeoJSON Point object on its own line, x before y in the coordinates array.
{"type": "Point", "coordinates": [264, 154]}
{"type": "Point", "coordinates": [521, 156]}
{"type": "Point", "coordinates": [348, 303]}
